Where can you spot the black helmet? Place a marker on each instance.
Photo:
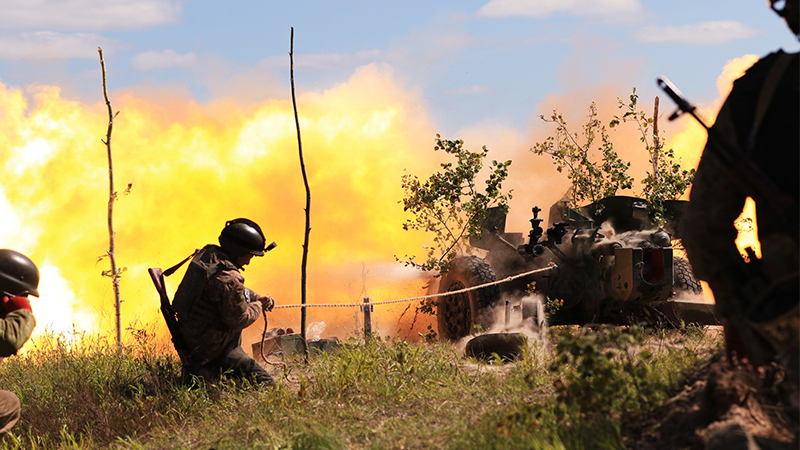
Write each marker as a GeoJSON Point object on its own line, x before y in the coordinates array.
{"type": "Point", "coordinates": [19, 276]}
{"type": "Point", "coordinates": [790, 11]}
{"type": "Point", "coordinates": [242, 237]}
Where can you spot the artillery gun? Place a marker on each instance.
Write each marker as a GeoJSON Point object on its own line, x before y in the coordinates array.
{"type": "Point", "coordinates": [606, 262]}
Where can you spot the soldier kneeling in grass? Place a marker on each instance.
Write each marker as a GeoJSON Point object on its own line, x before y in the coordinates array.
{"type": "Point", "coordinates": [213, 306]}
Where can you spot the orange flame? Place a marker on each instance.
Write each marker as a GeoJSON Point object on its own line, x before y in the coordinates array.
{"type": "Point", "coordinates": [191, 167]}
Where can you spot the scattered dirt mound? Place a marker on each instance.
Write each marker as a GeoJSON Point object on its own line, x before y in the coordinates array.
{"type": "Point", "coordinates": [715, 396]}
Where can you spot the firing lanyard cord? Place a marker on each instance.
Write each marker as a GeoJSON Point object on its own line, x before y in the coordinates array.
{"type": "Point", "coordinates": [264, 334]}
{"type": "Point", "coordinates": [263, 341]}
{"type": "Point", "coordinates": [549, 268]}
{"type": "Point", "coordinates": [361, 305]}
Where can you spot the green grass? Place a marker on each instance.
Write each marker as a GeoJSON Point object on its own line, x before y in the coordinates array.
{"type": "Point", "coordinates": [387, 394]}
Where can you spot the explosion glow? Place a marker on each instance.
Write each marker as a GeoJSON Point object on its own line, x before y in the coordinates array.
{"type": "Point", "coordinates": [191, 167]}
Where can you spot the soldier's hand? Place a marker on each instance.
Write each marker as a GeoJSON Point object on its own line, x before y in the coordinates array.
{"type": "Point", "coordinates": [15, 303]}
{"type": "Point", "coordinates": [267, 302]}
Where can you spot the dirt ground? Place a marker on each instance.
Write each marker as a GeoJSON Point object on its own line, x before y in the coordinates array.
{"type": "Point", "coordinates": [716, 396]}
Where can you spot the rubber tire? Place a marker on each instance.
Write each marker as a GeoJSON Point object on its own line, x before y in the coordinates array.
{"type": "Point", "coordinates": [684, 279]}
{"type": "Point", "coordinates": [506, 346]}
{"type": "Point", "coordinates": [458, 315]}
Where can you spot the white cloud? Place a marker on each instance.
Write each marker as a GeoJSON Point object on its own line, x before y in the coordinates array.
{"type": "Point", "coordinates": [87, 15]}
{"type": "Point", "coordinates": [324, 61]}
{"type": "Point", "coordinates": [543, 8]}
{"type": "Point", "coordinates": [475, 89]}
{"type": "Point", "coordinates": [703, 33]}
{"type": "Point", "coordinates": [162, 59]}
{"type": "Point", "coordinates": [51, 45]}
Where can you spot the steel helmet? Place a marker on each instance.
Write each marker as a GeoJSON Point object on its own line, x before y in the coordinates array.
{"type": "Point", "coordinates": [242, 237]}
{"type": "Point", "coordinates": [19, 276]}
{"type": "Point", "coordinates": [790, 11]}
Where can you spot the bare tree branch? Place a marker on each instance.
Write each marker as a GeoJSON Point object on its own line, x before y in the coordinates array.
{"type": "Point", "coordinates": [112, 195]}
{"type": "Point", "coordinates": [308, 194]}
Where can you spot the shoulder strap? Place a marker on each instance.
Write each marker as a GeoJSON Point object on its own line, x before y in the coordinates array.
{"type": "Point", "coordinates": [172, 269]}
{"type": "Point", "coordinates": [774, 77]}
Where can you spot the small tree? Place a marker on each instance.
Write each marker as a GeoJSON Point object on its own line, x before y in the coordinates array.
{"type": "Point", "coordinates": [595, 172]}
{"type": "Point", "coordinates": [668, 180]}
{"type": "Point", "coordinates": [599, 172]}
{"type": "Point", "coordinates": [451, 205]}
{"type": "Point", "coordinates": [115, 273]}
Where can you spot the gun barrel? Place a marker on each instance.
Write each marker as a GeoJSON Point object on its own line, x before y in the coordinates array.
{"type": "Point", "coordinates": [677, 96]}
{"type": "Point", "coordinates": [759, 185]}
{"type": "Point", "coordinates": [674, 93]}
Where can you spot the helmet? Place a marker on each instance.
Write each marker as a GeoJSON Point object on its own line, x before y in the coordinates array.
{"type": "Point", "coordinates": [790, 11]}
{"type": "Point", "coordinates": [19, 276]}
{"type": "Point", "coordinates": [242, 237]}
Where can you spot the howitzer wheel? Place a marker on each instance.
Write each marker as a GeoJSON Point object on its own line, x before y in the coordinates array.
{"type": "Point", "coordinates": [684, 279]}
{"type": "Point", "coordinates": [458, 314]}
{"type": "Point", "coordinates": [505, 346]}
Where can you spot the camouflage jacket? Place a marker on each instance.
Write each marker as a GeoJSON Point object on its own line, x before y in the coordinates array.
{"type": "Point", "coordinates": [764, 131]}
{"type": "Point", "coordinates": [15, 329]}
{"type": "Point", "coordinates": [212, 305]}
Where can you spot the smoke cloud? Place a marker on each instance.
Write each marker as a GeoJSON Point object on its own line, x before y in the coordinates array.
{"type": "Point", "coordinates": [182, 168]}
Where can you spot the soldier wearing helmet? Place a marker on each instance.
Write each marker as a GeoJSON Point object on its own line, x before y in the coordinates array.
{"type": "Point", "coordinates": [213, 306]}
{"type": "Point", "coordinates": [758, 126]}
{"type": "Point", "coordinates": [19, 278]}
{"type": "Point", "coordinates": [753, 150]}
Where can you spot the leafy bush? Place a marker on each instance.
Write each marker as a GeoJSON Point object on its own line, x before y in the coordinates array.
{"type": "Point", "coordinates": [595, 173]}
{"type": "Point", "coordinates": [595, 376]}
{"type": "Point", "coordinates": [612, 373]}
{"type": "Point", "coordinates": [668, 180]}
{"type": "Point", "coordinates": [450, 204]}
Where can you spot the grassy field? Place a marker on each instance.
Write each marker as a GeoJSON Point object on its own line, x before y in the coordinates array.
{"type": "Point", "coordinates": [576, 391]}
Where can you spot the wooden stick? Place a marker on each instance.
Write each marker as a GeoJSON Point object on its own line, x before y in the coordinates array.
{"type": "Point", "coordinates": [656, 141]}
{"type": "Point", "coordinates": [308, 197]}
{"type": "Point", "coordinates": [112, 195]}
{"type": "Point", "coordinates": [367, 319]}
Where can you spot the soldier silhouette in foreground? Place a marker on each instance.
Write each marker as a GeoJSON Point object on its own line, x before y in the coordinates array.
{"type": "Point", "coordinates": [753, 150]}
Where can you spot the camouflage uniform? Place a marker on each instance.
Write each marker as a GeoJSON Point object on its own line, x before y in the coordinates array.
{"type": "Point", "coordinates": [758, 300]}
{"type": "Point", "coordinates": [213, 307]}
{"type": "Point", "coordinates": [15, 329]}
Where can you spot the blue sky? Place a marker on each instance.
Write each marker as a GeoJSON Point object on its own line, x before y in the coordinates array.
{"type": "Point", "coordinates": [472, 61]}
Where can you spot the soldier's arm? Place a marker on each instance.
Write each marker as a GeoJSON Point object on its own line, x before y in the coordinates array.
{"type": "Point", "coordinates": [265, 300]}
{"type": "Point", "coordinates": [15, 329]}
{"type": "Point", "coordinates": [235, 311]}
